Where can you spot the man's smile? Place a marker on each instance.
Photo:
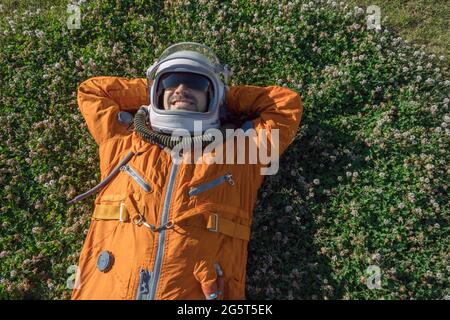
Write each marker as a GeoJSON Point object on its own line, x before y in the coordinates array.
{"type": "Point", "coordinates": [183, 104]}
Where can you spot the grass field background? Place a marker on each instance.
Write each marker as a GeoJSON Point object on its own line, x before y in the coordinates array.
{"type": "Point", "coordinates": [363, 187]}
{"type": "Point", "coordinates": [424, 22]}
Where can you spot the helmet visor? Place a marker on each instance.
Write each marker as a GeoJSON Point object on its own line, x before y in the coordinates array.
{"type": "Point", "coordinates": [191, 80]}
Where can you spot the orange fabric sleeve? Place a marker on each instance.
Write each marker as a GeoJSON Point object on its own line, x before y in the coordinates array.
{"type": "Point", "coordinates": [100, 99]}
{"type": "Point", "coordinates": [269, 108]}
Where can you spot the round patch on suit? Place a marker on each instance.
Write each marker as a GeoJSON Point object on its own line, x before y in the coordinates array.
{"type": "Point", "coordinates": [125, 118]}
{"type": "Point", "coordinates": [105, 261]}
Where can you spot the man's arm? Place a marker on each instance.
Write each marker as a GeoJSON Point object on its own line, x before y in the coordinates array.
{"type": "Point", "coordinates": [270, 108]}
{"type": "Point", "coordinates": [100, 99]}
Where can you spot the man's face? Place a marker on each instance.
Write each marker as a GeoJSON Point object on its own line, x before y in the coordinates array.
{"type": "Point", "coordinates": [183, 98]}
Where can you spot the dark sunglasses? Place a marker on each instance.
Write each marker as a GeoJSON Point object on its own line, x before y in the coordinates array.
{"type": "Point", "coordinates": [191, 80]}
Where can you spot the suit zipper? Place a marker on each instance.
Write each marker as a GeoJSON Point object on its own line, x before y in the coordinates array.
{"type": "Point", "coordinates": [162, 234]}
{"type": "Point", "coordinates": [132, 173]}
{"type": "Point", "coordinates": [211, 184]}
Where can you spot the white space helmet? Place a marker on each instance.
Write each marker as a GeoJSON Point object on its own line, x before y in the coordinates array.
{"type": "Point", "coordinates": [185, 59]}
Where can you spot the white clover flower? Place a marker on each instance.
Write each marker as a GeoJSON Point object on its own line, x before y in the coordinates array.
{"type": "Point", "coordinates": [376, 257]}
{"type": "Point", "coordinates": [39, 34]}
{"type": "Point", "coordinates": [429, 81]}
{"type": "Point", "coordinates": [50, 285]}
{"type": "Point", "coordinates": [316, 182]}
{"type": "Point", "coordinates": [401, 205]}
{"type": "Point", "coordinates": [433, 108]}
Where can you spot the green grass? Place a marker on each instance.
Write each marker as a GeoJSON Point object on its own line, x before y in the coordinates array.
{"type": "Point", "coordinates": [49, 8]}
{"type": "Point", "coordinates": [425, 22]}
{"type": "Point", "coordinates": [365, 182]}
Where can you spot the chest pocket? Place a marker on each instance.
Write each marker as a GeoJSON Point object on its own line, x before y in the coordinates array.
{"type": "Point", "coordinates": [137, 177]}
{"type": "Point", "coordinates": [224, 193]}
{"type": "Point", "coordinates": [203, 187]}
{"type": "Point", "coordinates": [116, 200]}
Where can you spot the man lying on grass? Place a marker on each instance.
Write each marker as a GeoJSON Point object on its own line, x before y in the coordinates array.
{"type": "Point", "coordinates": [173, 212]}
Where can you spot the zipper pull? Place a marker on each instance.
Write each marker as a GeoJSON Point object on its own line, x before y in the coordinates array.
{"type": "Point", "coordinates": [145, 279]}
{"type": "Point", "coordinates": [229, 178]}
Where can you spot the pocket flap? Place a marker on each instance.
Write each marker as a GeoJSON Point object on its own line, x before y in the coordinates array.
{"type": "Point", "coordinates": [113, 197]}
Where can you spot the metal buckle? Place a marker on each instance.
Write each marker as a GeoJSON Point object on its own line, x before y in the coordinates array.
{"type": "Point", "coordinates": [138, 219]}
{"type": "Point", "coordinates": [169, 225]}
{"type": "Point", "coordinates": [216, 223]}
